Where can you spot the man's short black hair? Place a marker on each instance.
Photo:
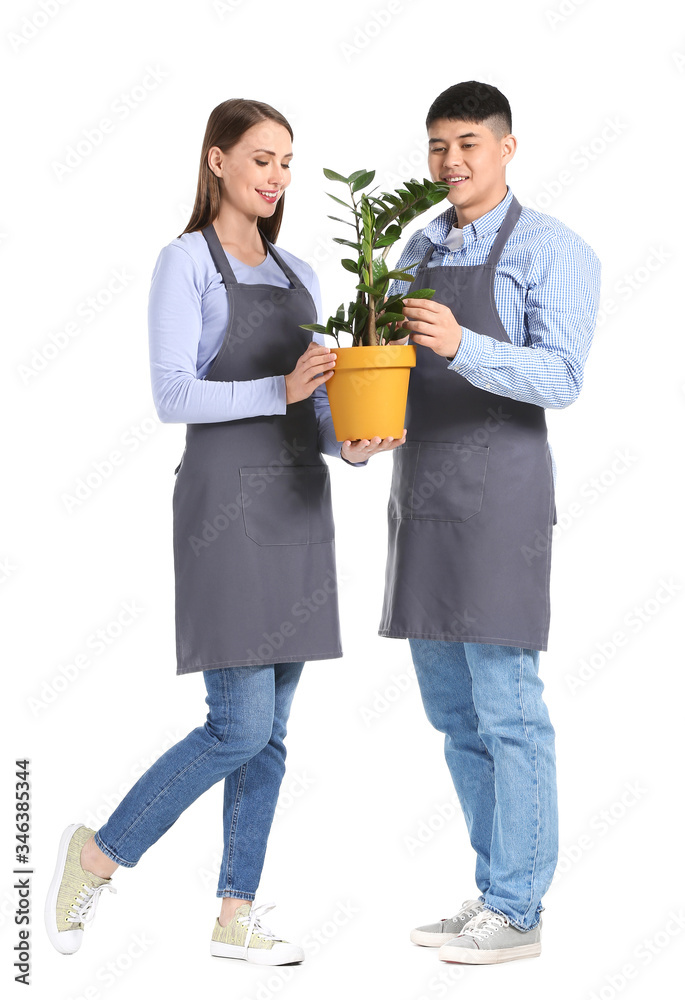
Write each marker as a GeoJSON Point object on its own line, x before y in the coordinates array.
{"type": "Point", "coordinates": [472, 101]}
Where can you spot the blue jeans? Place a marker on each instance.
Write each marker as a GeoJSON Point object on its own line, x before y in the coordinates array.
{"type": "Point", "coordinates": [241, 742]}
{"type": "Point", "coordinates": [499, 748]}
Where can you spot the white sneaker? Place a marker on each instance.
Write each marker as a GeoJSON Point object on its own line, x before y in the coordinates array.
{"type": "Point", "coordinates": [247, 938]}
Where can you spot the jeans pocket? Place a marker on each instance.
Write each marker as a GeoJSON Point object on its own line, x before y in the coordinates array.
{"type": "Point", "coordinates": [289, 506]}
{"type": "Point", "coordinates": [438, 481]}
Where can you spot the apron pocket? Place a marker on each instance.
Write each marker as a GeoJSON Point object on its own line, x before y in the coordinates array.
{"type": "Point", "coordinates": [438, 481]}
{"type": "Point", "coordinates": [290, 506]}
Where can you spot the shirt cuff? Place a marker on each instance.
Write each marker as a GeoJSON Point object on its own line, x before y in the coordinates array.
{"type": "Point", "coordinates": [469, 352]}
{"type": "Point", "coordinates": [353, 464]}
{"type": "Point", "coordinates": [281, 394]}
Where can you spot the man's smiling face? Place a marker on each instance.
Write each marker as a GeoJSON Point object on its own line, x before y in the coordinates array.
{"type": "Point", "coordinates": [472, 160]}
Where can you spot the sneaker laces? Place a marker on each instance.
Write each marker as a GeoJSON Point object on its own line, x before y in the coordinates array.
{"type": "Point", "coordinates": [483, 924]}
{"type": "Point", "coordinates": [84, 911]}
{"type": "Point", "coordinates": [254, 924]}
{"type": "Point", "coordinates": [471, 904]}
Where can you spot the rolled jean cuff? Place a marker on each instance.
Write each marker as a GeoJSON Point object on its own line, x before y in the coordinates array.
{"type": "Point", "coordinates": [236, 894]}
{"type": "Point", "coordinates": [515, 923]}
{"type": "Point", "coordinates": [111, 854]}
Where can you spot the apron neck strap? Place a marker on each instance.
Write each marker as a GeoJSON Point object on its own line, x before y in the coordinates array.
{"type": "Point", "coordinates": [221, 260]}
{"type": "Point", "coordinates": [505, 230]}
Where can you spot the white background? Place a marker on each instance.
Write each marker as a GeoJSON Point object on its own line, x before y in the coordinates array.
{"type": "Point", "coordinates": [369, 840]}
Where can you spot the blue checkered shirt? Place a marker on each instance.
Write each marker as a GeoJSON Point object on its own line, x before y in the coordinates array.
{"type": "Point", "coordinates": [546, 291]}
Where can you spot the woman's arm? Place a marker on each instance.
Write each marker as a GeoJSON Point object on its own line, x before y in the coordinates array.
{"type": "Point", "coordinates": [175, 326]}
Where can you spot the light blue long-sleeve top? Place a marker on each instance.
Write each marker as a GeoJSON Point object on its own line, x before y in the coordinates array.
{"type": "Point", "coordinates": [187, 318]}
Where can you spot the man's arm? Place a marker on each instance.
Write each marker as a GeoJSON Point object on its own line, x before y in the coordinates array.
{"type": "Point", "coordinates": [561, 307]}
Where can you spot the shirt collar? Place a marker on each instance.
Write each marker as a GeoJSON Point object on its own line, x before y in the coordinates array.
{"type": "Point", "coordinates": [438, 228]}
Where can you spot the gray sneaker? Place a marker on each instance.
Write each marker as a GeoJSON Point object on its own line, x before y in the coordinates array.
{"type": "Point", "coordinates": [435, 935]}
{"type": "Point", "coordinates": [489, 938]}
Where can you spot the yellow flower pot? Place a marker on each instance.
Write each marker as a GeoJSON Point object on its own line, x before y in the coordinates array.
{"type": "Point", "coordinates": [368, 390]}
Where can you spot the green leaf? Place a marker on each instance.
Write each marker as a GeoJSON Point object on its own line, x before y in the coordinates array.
{"type": "Point", "coordinates": [397, 334]}
{"type": "Point", "coordinates": [341, 202]}
{"type": "Point", "coordinates": [420, 293]}
{"type": "Point", "coordinates": [400, 275]}
{"type": "Point", "coordinates": [356, 173]}
{"type": "Point", "coordinates": [346, 221]}
{"type": "Point", "coordinates": [314, 326]}
{"type": "Point", "coordinates": [386, 241]}
{"type": "Point", "coordinates": [380, 268]}
{"type": "Point", "coordinates": [347, 243]}
{"type": "Point", "coordinates": [333, 176]}
{"type": "Point", "coordinates": [363, 180]}
{"type": "Point", "coordinates": [376, 292]}
{"type": "Point", "coordinates": [387, 317]}
{"type": "Point", "coordinates": [350, 265]}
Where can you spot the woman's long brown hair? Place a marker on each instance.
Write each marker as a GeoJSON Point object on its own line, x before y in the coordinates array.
{"type": "Point", "coordinates": [225, 127]}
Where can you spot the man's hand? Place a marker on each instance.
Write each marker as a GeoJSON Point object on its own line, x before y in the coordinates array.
{"type": "Point", "coordinates": [358, 451]}
{"type": "Point", "coordinates": [433, 325]}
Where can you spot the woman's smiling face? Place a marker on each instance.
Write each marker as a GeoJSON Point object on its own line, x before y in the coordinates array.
{"type": "Point", "coordinates": [256, 171]}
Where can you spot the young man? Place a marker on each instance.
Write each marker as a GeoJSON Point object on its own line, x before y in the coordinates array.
{"type": "Point", "coordinates": [472, 506]}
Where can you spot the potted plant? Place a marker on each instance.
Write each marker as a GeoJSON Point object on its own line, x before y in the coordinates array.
{"type": "Point", "coordinates": [368, 390]}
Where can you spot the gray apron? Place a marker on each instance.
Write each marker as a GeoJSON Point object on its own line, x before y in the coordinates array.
{"type": "Point", "coordinates": [471, 503]}
{"type": "Point", "coordinates": [254, 550]}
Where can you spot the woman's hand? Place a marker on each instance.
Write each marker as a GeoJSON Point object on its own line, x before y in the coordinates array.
{"type": "Point", "coordinates": [307, 373]}
{"type": "Point", "coordinates": [359, 451]}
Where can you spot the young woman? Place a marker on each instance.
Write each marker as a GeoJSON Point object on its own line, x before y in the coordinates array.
{"type": "Point", "coordinates": [253, 525]}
